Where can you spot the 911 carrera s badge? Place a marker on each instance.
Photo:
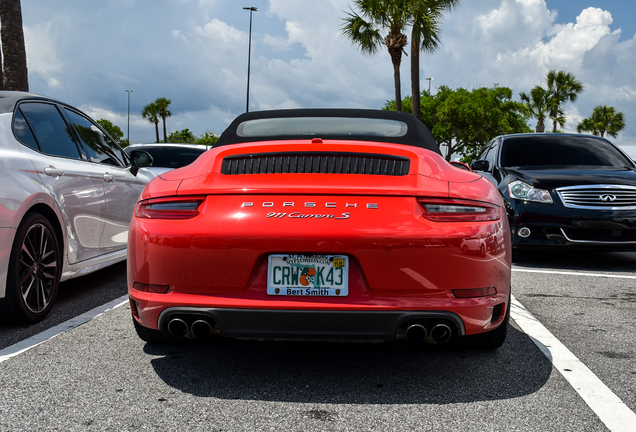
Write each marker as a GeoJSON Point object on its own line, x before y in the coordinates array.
{"type": "Point", "coordinates": [298, 215]}
{"type": "Point", "coordinates": [308, 275]}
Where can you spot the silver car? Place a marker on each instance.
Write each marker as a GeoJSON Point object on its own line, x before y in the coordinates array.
{"type": "Point", "coordinates": [67, 193]}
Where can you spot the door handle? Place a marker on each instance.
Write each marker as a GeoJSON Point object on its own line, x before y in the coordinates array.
{"type": "Point", "coordinates": [108, 177]}
{"type": "Point", "coordinates": [53, 172]}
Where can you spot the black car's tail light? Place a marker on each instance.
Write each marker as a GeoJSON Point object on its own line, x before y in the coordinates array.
{"type": "Point", "coordinates": [474, 292]}
{"type": "Point", "coordinates": [169, 208]}
{"type": "Point", "coordinates": [456, 210]}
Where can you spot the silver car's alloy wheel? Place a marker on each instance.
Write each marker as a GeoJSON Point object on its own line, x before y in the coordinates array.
{"type": "Point", "coordinates": [38, 268]}
{"type": "Point", "coordinates": [34, 272]}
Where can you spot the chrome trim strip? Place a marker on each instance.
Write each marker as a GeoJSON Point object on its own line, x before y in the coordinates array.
{"type": "Point", "coordinates": [596, 242]}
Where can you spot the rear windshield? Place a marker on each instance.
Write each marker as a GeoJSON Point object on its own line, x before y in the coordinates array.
{"type": "Point", "coordinates": [321, 127]}
{"type": "Point", "coordinates": [561, 150]}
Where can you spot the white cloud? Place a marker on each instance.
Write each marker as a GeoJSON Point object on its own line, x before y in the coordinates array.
{"type": "Point", "coordinates": [195, 53]}
{"type": "Point", "coordinates": [219, 30]}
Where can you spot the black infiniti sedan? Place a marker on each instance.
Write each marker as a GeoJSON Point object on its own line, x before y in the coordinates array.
{"type": "Point", "coordinates": [564, 190]}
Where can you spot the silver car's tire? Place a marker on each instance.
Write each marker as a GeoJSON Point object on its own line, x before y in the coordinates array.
{"type": "Point", "coordinates": [34, 272]}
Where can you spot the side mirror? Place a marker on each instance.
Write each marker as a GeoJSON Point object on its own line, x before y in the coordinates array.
{"type": "Point", "coordinates": [140, 159]}
{"type": "Point", "coordinates": [480, 165]}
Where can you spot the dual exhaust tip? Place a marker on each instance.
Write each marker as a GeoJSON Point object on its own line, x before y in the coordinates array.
{"type": "Point", "coordinates": [197, 328]}
{"type": "Point", "coordinates": [437, 333]}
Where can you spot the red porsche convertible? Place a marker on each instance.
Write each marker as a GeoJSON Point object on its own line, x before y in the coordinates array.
{"type": "Point", "coordinates": [321, 224]}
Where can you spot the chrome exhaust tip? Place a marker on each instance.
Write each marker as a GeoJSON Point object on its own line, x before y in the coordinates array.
{"type": "Point", "coordinates": [415, 333]}
{"type": "Point", "coordinates": [177, 327]}
{"type": "Point", "coordinates": [201, 329]}
{"type": "Point", "coordinates": [439, 334]}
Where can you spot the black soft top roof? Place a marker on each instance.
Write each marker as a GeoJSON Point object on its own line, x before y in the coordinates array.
{"type": "Point", "coordinates": [417, 134]}
{"type": "Point", "coordinates": [9, 99]}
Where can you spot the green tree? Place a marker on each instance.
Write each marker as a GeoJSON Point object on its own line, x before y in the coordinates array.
{"type": "Point", "coordinates": [536, 105]}
{"type": "Point", "coordinates": [464, 120]}
{"type": "Point", "coordinates": [426, 17]}
{"type": "Point", "coordinates": [562, 87]}
{"type": "Point", "coordinates": [151, 112]}
{"type": "Point", "coordinates": [182, 136]}
{"type": "Point", "coordinates": [377, 23]}
{"type": "Point", "coordinates": [112, 129]}
{"type": "Point", "coordinates": [603, 119]}
{"type": "Point", "coordinates": [208, 138]}
{"type": "Point", "coordinates": [163, 112]}
{"type": "Point", "coordinates": [15, 74]}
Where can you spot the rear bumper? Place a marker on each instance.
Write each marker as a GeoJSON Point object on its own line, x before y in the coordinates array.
{"type": "Point", "coordinates": [298, 319]}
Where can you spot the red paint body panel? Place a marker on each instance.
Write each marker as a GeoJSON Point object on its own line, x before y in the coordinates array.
{"type": "Point", "coordinates": [399, 261]}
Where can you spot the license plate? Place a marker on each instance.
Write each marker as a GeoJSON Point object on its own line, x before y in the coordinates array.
{"type": "Point", "coordinates": [308, 275]}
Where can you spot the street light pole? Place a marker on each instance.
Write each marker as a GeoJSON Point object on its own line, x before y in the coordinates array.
{"type": "Point", "coordinates": [429, 84]}
{"type": "Point", "coordinates": [129, 92]}
{"type": "Point", "coordinates": [249, 58]}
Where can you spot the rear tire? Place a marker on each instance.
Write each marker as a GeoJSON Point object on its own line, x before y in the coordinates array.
{"type": "Point", "coordinates": [34, 272]}
{"type": "Point", "coordinates": [487, 341]}
{"type": "Point", "coordinates": [151, 335]}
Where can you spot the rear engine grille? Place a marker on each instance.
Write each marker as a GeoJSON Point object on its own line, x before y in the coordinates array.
{"type": "Point", "coordinates": [600, 235]}
{"type": "Point", "coordinates": [599, 197]}
{"type": "Point", "coordinates": [316, 163]}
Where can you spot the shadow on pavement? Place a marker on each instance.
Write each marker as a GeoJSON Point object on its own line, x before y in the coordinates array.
{"type": "Point", "coordinates": [394, 372]}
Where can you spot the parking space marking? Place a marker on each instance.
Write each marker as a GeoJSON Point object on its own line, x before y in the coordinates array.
{"type": "Point", "coordinates": [606, 405]}
{"type": "Point", "coordinates": [573, 273]}
{"type": "Point", "coordinates": [33, 341]}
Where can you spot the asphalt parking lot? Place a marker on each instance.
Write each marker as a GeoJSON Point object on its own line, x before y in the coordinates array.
{"type": "Point", "coordinates": [100, 376]}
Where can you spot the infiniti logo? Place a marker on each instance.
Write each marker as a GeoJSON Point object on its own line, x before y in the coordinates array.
{"type": "Point", "coordinates": [607, 198]}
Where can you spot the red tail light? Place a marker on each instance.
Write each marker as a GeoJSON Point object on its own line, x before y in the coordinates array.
{"type": "Point", "coordinates": [169, 208]}
{"type": "Point", "coordinates": [456, 210]}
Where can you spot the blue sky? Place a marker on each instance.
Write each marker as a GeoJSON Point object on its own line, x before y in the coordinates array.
{"type": "Point", "coordinates": [195, 53]}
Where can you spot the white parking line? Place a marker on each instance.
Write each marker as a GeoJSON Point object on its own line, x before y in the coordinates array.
{"type": "Point", "coordinates": [33, 341]}
{"type": "Point", "coordinates": [605, 404]}
{"type": "Point", "coordinates": [573, 273]}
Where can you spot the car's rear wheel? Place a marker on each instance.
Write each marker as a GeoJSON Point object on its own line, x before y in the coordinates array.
{"type": "Point", "coordinates": [34, 272]}
{"type": "Point", "coordinates": [487, 341]}
{"type": "Point", "coordinates": [151, 335]}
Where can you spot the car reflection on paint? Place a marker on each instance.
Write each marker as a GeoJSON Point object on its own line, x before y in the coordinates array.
{"type": "Point", "coordinates": [320, 224]}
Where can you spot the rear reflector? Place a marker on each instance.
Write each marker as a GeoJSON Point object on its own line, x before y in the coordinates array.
{"type": "Point", "coordinates": [474, 292]}
{"type": "Point", "coordinates": [151, 288]}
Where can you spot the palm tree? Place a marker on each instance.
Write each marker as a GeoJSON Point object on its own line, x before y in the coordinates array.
{"type": "Point", "coordinates": [375, 18]}
{"type": "Point", "coordinates": [563, 87]}
{"type": "Point", "coordinates": [151, 112]}
{"type": "Point", "coordinates": [162, 109]}
{"type": "Point", "coordinates": [426, 16]}
{"type": "Point", "coordinates": [536, 105]}
{"type": "Point", "coordinates": [15, 75]}
{"type": "Point", "coordinates": [603, 119]}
